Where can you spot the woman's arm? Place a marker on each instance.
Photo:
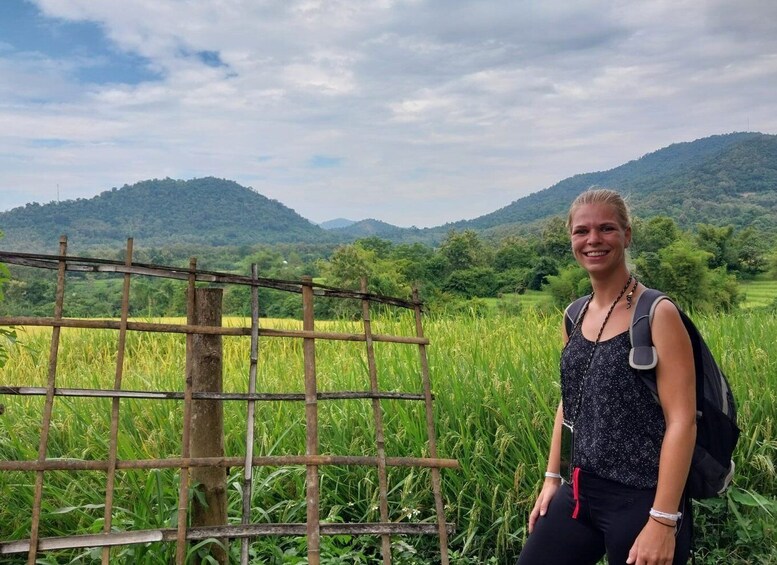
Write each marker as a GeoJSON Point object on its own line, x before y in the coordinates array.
{"type": "Point", "coordinates": [676, 382]}
{"type": "Point", "coordinates": [551, 485]}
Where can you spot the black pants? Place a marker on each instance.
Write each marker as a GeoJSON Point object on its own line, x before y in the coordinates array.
{"type": "Point", "coordinates": [610, 517]}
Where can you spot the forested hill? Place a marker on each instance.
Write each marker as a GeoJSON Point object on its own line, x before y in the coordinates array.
{"type": "Point", "coordinates": [205, 211]}
{"type": "Point", "coordinates": [723, 179]}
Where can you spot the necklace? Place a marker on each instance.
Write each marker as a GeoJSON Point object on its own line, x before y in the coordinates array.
{"type": "Point", "coordinates": [599, 335]}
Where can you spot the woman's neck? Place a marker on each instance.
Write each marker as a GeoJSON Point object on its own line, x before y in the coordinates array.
{"type": "Point", "coordinates": [607, 288]}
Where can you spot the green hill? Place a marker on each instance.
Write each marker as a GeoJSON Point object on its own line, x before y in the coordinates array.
{"type": "Point", "coordinates": [205, 211]}
{"type": "Point", "coordinates": [723, 179]}
{"type": "Point", "coordinates": [720, 180]}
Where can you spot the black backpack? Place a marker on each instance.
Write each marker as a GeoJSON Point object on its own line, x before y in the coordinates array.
{"type": "Point", "coordinates": [712, 468]}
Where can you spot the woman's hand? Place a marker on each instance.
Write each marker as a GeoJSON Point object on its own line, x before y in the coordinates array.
{"type": "Point", "coordinates": [654, 545]}
{"type": "Point", "coordinates": [547, 493]}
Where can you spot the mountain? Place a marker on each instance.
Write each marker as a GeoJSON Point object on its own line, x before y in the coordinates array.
{"type": "Point", "coordinates": [723, 179]}
{"type": "Point", "coordinates": [372, 227]}
{"type": "Point", "coordinates": [205, 211]}
{"type": "Point", "coordinates": [336, 223]}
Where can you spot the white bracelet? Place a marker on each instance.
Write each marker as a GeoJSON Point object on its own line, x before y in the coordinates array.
{"type": "Point", "coordinates": [550, 475]}
{"type": "Point", "coordinates": [665, 515]}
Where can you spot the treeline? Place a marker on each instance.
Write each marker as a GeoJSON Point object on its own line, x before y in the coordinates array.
{"type": "Point", "coordinates": [699, 268]}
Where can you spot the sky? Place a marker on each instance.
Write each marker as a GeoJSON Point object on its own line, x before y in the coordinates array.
{"type": "Point", "coordinates": [413, 112]}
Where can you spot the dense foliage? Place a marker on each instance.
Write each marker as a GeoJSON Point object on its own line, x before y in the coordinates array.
{"type": "Point", "coordinates": [205, 211]}
{"type": "Point", "coordinates": [700, 269]}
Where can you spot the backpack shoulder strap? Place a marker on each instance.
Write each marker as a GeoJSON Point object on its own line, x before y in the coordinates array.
{"type": "Point", "coordinates": [573, 311]}
{"type": "Point", "coordinates": [643, 354]}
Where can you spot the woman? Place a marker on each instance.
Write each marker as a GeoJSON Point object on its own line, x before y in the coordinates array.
{"type": "Point", "coordinates": [631, 454]}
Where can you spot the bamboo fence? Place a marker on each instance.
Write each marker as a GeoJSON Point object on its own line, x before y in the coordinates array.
{"type": "Point", "coordinates": [313, 528]}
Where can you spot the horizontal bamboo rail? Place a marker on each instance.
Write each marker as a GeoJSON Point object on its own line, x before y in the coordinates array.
{"type": "Point", "coordinates": [160, 395]}
{"type": "Point", "coordinates": [257, 461]}
{"type": "Point", "coordinates": [236, 531]}
{"type": "Point", "coordinates": [92, 265]}
{"type": "Point", "coordinates": [200, 330]}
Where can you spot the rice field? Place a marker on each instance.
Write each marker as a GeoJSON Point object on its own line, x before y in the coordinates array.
{"type": "Point", "coordinates": [758, 293]}
{"type": "Point", "coordinates": [495, 381]}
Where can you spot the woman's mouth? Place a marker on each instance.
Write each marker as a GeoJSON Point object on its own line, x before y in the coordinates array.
{"type": "Point", "coordinates": [595, 253]}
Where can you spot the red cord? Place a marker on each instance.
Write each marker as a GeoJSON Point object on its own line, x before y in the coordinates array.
{"type": "Point", "coordinates": [576, 490]}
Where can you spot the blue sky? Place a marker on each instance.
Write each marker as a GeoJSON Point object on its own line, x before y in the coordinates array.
{"type": "Point", "coordinates": [414, 112]}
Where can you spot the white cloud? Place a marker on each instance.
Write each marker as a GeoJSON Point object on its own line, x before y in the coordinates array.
{"type": "Point", "coordinates": [456, 108]}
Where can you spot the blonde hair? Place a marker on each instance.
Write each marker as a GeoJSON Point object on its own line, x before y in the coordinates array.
{"type": "Point", "coordinates": [602, 196]}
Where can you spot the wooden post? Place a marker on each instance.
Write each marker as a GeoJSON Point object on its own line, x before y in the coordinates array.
{"type": "Point", "coordinates": [207, 432]}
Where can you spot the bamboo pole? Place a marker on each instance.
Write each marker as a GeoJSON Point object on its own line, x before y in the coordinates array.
{"type": "Point", "coordinates": [204, 330]}
{"type": "Point", "coordinates": [438, 504]}
{"type": "Point", "coordinates": [49, 404]}
{"type": "Point", "coordinates": [311, 421]}
{"type": "Point", "coordinates": [183, 490]}
{"type": "Point", "coordinates": [232, 531]}
{"type": "Point", "coordinates": [257, 461]}
{"type": "Point", "coordinates": [248, 471]}
{"type": "Point", "coordinates": [111, 477]}
{"type": "Point", "coordinates": [91, 265]}
{"type": "Point", "coordinates": [378, 417]}
{"type": "Point", "coordinates": [204, 395]}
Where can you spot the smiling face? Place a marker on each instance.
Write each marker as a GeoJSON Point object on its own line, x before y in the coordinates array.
{"type": "Point", "coordinates": [599, 239]}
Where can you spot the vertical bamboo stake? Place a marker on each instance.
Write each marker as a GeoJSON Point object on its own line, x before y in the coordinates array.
{"type": "Point", "coordinates": [49, 404]}
{"type": "Point", "coordinates": [378, 416]}
{"type": "Point", "coordinates": [183, 489]}
{"type": "Point", "coordinates": [250, 417]}
{"type": "Point", "coordinates": [111, 478]}
{"type": "Point", "coordinates": [311, 420]}
{"type": "Point", "coordinates": [441, 526]}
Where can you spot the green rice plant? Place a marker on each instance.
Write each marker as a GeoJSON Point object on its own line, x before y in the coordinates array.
{"type": "Point", "coordinates": [758, 293]}
{"type": "Point", "coordinates": [496, 386]}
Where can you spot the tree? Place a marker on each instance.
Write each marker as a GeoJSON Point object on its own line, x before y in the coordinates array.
{"type": "Point", "coordinates": [571, 282]}
{"type": "Point", "coordinates": [381, 247]}
{"type": "Point", "coordinates": [514, 253]}
{"type": "Point", "coordinates": [478, 281]}
{"type": "Point", "coordinates": [414, 262]}
{"type": "Point", "coordinates": [750, 250]}
{"type": "Point", "coordinates": [463, 250]}
{"type": "Point", "coordinates": [718, 241]}
{"type": "Point", "coordinates": [538, 276]}
{"type": "Point", "coordinates": [652, 235]}
{"type": "Point", "coordinates": [681, 270]}
{"type": "Point", "coordinates": [554, 240]}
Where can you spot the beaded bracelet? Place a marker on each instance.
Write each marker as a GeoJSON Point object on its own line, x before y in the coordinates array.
{"type": "Point", "coordinates": [551, 475]}
{"type": "Point", "coordinates": [665, 515]}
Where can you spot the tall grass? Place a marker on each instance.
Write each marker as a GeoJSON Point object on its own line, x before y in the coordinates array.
{"type": "Point", "coordinates": [496, 387]}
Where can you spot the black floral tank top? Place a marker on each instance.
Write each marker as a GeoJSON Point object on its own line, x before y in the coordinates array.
{"type": "Point", "coordinates": [619, 427]}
